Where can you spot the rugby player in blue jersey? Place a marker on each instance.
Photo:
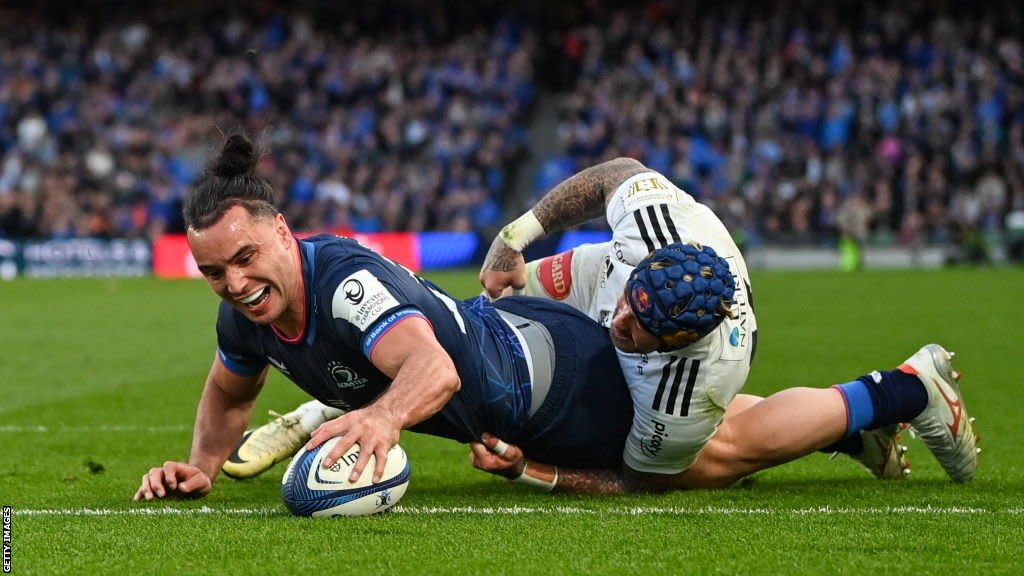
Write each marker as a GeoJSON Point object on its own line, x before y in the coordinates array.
{"type": "Point", "coordinates": [366, 336]}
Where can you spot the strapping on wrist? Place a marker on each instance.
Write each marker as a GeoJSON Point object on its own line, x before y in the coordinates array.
{"type": "Point", "coordinates": [542, 476]}
{"type": "Point", "coordinates": [519, 233]}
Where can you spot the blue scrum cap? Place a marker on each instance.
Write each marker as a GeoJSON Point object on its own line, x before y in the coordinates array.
{"type": "Point", "coordinates": [681, 292]}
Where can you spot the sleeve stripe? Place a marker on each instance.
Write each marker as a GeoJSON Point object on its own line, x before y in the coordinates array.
{"type": "Point", "coordinates": [694, 367]}
{"type": "Point", "coordinates": [238, 367]}
{"type": "Point", "coordinates": [671, 225]}
{"type": "Point", "coordinates": [678, 370]}
{"type": "Point", "coordinates": [643, 231]}
{"type": "Point", "coordinates": [665, 372]}
{"type": "Point", "coordinates": [657, 226]}
{"type": "Point", "coordinates": [371, 338]}
{"type": "Point", "coordinates": [670, 405]}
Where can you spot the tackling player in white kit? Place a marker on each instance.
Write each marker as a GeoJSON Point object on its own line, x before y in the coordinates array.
{"type": "Point", "coordinates": [691, 428]}
{"type": "Point", "coordinates": [679, 395]}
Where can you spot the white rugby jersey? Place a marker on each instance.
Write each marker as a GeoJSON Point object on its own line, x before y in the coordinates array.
{"type": "Point", "coordinates": [679, 397]}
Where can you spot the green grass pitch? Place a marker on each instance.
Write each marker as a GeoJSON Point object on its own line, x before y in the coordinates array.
{"type": "Point", "coordinates": [99, 380]}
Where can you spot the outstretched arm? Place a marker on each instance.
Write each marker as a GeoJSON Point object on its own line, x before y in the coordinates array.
{"type": "Point", "coordinates": [577, 199]}
{"type": "Point", "coordinates": [223, 413]}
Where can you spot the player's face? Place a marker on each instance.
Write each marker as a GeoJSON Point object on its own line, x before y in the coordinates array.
{"type": "Point", "coordinates": [251, 263]}
{"type": "Point", "coordinates": [626, 332]}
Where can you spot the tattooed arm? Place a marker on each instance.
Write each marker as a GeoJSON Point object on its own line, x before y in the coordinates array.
{"type": "Point", "coordinates": [575, 200]}
{"type": "Point", "coordinates": [511, 463]}
{"type": "Point", "coordinates": [583, 196]}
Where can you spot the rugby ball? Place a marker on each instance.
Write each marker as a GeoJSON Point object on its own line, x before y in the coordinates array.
{"type": "Point", "coordinates": [309, 489]}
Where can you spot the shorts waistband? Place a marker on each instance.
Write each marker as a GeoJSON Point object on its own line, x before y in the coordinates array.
{"type": "Point", "coordinates": [539, 350]}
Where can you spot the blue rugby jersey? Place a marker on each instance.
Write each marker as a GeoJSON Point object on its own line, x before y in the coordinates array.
{"type": "Point", "coordinates": [354, 296]}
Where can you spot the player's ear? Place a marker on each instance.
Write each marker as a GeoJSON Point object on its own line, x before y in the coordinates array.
{"type": "Point", "coordinates": [281, 227]}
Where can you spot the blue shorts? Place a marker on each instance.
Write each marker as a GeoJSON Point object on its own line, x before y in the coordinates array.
{"type": "Point", "coordinates": [587, 414]}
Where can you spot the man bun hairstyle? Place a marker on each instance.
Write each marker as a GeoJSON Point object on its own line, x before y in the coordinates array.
{"type": "Point", "coordinates": [237, 157]}
{"type": "Point", "coordinates": [681, 292]}
{"type": "Point", "coordinates": [229, 180]}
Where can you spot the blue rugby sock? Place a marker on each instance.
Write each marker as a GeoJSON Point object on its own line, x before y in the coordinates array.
{"type": "Point", "coordinates": [881, 399]}
{"type": "Point", "coordinates": [860, 408]}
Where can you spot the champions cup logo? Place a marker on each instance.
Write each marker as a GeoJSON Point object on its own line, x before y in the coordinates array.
{"type": "Point", "coordinates": [641, 301]}
{"type": "Point", "coordinates": [353, 290]}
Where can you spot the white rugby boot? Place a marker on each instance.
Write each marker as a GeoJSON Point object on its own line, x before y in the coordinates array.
{"type": "Point", "coordinates": [944, 425]}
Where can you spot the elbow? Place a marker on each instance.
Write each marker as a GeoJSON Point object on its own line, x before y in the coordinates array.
{"type": "Point", "coordinates": [455, 383]}
{"type": "Point", "coordinates": [449, 379]}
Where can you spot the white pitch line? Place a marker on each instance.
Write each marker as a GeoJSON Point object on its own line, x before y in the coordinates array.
{"type": "Point", "coordinates": [520, 510]}
{"type": "Point", "coordinates": [99, 428]}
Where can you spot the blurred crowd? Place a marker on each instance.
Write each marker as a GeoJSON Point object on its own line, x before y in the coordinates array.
{"type": "Point", "coordinates": [370, 122]}
{"type": "Point", "coordinates": [798, 121]}
{"type": "Point", "coordinates": [893, 122]}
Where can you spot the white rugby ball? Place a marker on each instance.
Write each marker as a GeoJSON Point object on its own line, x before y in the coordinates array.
{"type": "Point", "coordinates": [309, 489]}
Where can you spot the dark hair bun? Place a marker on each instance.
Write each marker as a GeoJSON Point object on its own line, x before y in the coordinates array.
{"type": "Point", "coordinates": [237, 157]}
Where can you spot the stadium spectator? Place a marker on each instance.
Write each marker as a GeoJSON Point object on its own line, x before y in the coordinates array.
{"type": "Point", "coordinates": [783, 110]}
{"type": "Point", "coordinates": [372, 124]}
{"type": "Point", "coordinates": [776, 112]}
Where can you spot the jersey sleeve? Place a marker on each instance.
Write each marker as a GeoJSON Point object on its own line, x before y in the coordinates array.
{"type": "Point", "coordinates": [235, 344]}
{"type": "Point", "coordinates": [571, 277]}
{"type": "Point", "coordinates": [368, 301]}
{"type": "Point", "coordinates": [644, 215]}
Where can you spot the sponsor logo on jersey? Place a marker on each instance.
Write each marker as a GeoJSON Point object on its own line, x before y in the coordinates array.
{"type": "Point", "coordinates": [734, 336]}
{"type": "Point", "coordinates": [620, 254]}
{"type": "Point", "coordinates": [641, 301]}
{"type": "Point", "coordinates": [344, 377]}
{"type": "Point", "coordinates": [652, 189]}
{"type": "Point", "coordinates": [353, 290]}
{"type": "Point", "coordinates": [556, 275]}
{"type": "Point", "coordinates": [651, 446]}
{"type": "Point", "coordinates": [361, 299]}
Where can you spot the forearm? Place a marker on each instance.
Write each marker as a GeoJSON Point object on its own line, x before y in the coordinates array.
{"type": "Point", "coordinates": [220, 423]}
{"type": "Point", "coordinates": [577, 481]}
{"type": "Point", "coordinates": [423, 385]}
{"type": "Point", "coordinates": [583, 196]}
{"type": "Point", "coordinates": [567, 480]}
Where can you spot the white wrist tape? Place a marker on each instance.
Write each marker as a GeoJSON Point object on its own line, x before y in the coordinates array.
{"type": "Point", "coordinates": [520, 232]}
{"type": "Point", "coordinates": [540, 475]}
